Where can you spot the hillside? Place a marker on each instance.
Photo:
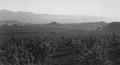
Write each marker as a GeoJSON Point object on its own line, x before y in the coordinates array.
{"type": "Point", "coordinates": [10, 22]}
{"type": "Point", "coordinates": [114, 27]}
{"type": "Point", "coordinates": [54, 28]}
{"type": "Point", "coordinates": [55, 25]}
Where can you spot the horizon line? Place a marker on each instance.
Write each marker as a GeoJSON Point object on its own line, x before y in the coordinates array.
{"type": "Point", "coordinates": [55, 14]}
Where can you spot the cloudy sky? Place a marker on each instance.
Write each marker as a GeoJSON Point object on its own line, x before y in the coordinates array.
{"type": "Point", "coordinates": [109, 8]}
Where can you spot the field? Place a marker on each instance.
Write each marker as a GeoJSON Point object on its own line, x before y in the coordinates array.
{"type": "Point", "coordinates": [44, 45]}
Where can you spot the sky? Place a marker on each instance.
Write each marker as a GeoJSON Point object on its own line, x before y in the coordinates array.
{"type": "Point", "coordinates": [110, 8]}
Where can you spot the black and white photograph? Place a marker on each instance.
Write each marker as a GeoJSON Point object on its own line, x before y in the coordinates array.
{"type": "Point", "coordinates": [59, 32]}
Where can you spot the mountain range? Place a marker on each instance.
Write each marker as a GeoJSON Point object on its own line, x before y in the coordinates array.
{"type": "Point", "coordinates": [28, 17]}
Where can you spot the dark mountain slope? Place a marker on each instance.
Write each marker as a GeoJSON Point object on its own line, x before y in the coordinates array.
{"type": "Point", "coordinates": [114, 27]}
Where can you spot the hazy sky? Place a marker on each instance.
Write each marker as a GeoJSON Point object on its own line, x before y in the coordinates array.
{"type": "Point", "coordinates": [69, 7]}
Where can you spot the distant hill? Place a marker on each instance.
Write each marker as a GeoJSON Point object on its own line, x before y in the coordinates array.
{"type": "Point", "coordinates": [53, 23]}
{"type": "Point", "coordinates": [89, 26]}
{"type": "Point", "coordinates": [114, 27]}
{"type": "Point", "coordinates": [75, 26]}
{"type": "Point", "coordinates": [28, 17]}
{"type": "Point", "coordinates": [10, 22]}
{"type": "Point", "coordinates": [59, 28]}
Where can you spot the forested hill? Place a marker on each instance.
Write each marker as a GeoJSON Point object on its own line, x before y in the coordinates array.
{"type": "Point", "coordinates": [54, 25]}
{"type": "Point", "coordinates": [113, 27]}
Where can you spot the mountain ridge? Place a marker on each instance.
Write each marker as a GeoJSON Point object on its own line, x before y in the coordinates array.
{"type": "Point", "coordinates": [29, 17]}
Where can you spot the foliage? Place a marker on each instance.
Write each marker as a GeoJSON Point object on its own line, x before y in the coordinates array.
{"type": "Point", "coordinates": [58, 49]}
